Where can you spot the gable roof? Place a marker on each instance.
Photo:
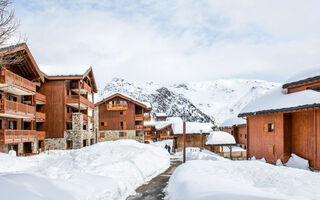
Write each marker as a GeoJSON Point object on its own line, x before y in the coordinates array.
{"type": "Point", "coordinates": [88, 73]}
{"type": "Point", "coordinates": [277, 101]}
{"type": "Point", "coordinates": [234, 121]}
{"type": "Point", "coordinates": [32, 68]}
{"type": "Point", "coordinates": [305, 76]}
{"type": "Point", "coordinates": [126, 97]}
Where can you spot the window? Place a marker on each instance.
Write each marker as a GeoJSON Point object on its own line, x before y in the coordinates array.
{"type": "Point", "coordinates": [121, 112]}
{"type": "Point", "coordinates": [101, 134]}
{"type": "Point", "coordinates": [13, 125]}
{"type": "Point", "coordinates": [269, 127]}
{"type": "Point", "coordinates": [69, 144]}
{"type": "Point", "coordinates": [123, 102]}
{"type": "Point", "coordinates": [168, 132]}
{"type": "Point", "coordinates": [123, 125]}
{"type": "Point", "coordinates": [104, 123]}
{"type": "Point", "coordinates": [245, 136]}
{"type": "Point", "coordinates": [122, 134]}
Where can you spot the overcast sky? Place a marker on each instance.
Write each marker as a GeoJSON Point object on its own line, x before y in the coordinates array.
{"type": "Point", "coordinates": [168, 41]}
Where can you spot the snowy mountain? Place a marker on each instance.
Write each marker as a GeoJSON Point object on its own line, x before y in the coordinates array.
{"type": "Point", "coordinates": [210, 101]}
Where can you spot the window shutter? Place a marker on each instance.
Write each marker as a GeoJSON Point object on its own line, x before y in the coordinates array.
{"type": "Point", "coordinates": [124, 125]}
{"type": "Point", "coordinates": [102, 134]}
{"type": "Point", "coordinates": [265, 127]}
{"type": "Point", "coordinates": [105, 123]}
{"type": "Point", "coordinates": [124, 112]}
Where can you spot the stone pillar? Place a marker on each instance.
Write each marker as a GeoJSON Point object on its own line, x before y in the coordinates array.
{"type": "Point", "coordinates": [77, 121]}
{"type": "Point", "coordinates": [34, 146]}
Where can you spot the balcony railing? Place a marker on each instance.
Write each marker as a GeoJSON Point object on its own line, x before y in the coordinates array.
{"type": "Point", "coordinates": [10, 78]}
{"type": "Point", "coordinates": [74, 99]}
{"type": "Point", "coordinates": [12, 107]}
{"type": "Point", "coordinates": [40, 98]}
{"type": "Point", "coordinates": [41, 135]}
{"type": "Point", "coordinates": [41, 117]}
{"type": "Point", "coordinates": [117, 106]}
{"type": "Point", "coordinates": [139, 117]}
{"type": "Point", "coordinates": [165, 136]}
{"type": "Point", "coordinates": [17, 136]}
{"type": "Point", "coordinates": [139, 127]}
{"type": "Point", "coordinates": [85, 86]}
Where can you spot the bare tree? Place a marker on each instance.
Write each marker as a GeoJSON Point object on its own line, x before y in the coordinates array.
{"type": "Point", "coordinates": [8, 24]}
{"type": "Point", "coordinates": [8, 27]}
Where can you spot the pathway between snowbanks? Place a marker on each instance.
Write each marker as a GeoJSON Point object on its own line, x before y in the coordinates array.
{"type": "Point", "coordinates": [212, 177]}
{"type": "Point", "coordinates": [109, 170]}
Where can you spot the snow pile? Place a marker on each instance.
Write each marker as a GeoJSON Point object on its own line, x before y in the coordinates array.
{"type": "Point", "coordinates": [234, 121]}
{"type": "Point", "coordinates": [260, 160]}
{"type": "Point", "coordinates": [161, 114]}
{"type": "Point", "coordinates": [191, 127]}
{"type": "Point", "coordinates": [157, 124]}
{"type": "Point", "coordinates": [234, 149]}
{"type": "Point", "coordinates": [220, 137]}
{"type": "Point", "coordinates": [297, 162]}
{"type": "Point", "coordinates": [241, 180]}
{"type": "Point", "coordinates": [277, 99]}
{"type": "Point", "coordinates": [195, 154]}
{"type": "Point", "coordinates": [109, 170]}
{"type": "Point", "coordinates": [302, 75]}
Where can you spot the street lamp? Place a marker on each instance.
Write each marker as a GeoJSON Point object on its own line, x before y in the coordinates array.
{"type": "Point", "coordinates": [200, 140]}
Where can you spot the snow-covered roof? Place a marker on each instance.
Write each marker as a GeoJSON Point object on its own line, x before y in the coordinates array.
{"type": "Point", "coordinates": [191, 127]}
{"type": "Point", "coordinates": [148, 105]}
{"type": "Point", "coordinates": [157, 124]}
{"type": "Point", "coordinates": [278, 101]}
{"type": "Point", "coordinates": [308, 75]}
{"type": "Point", "coordinates": [234, 121]}
{"type": "Point", "coordinates": [220, 137]}
{"type": "Point", "coordinates": [161, 114]}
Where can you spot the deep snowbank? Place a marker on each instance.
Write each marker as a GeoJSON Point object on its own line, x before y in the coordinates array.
{"type": "Point", "coordinates": [245, 180]}
{"type": "Point", "coordinates": [109, 170]}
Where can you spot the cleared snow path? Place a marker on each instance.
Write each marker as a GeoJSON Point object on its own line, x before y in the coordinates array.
{"type": "Point", "coordinates": [154, 189]}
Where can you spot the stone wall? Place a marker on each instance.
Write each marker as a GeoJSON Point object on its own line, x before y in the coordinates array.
{"type": "Point", "coordinates": [4, 148]}
{"type": "Point", "coordinates": [55, 143]}
{"type": "Point", "coordinates": [111, 135]}
{"type": "Point", "coordinates": [77, 138]}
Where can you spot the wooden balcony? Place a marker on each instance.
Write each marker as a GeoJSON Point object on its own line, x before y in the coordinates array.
{"type": "Point", "coordinates": [15, 84]}
{"type": "Point", "coordinates": [139, 117]}
{"type": "Point", "coordinates": [165, 136]}
{"type": "Point", "coordinates": [41, 135]}
{"type": "Point", "coordinates": [40, 117]}
{"type": "Point", "coordinates": [17, 136]}
{"type": "Point", "coordinates": [117, 106]}
{"type": "Point", "coordinates": [73, 100]}
{"type": "Point", "coordinates": [139, 127]}
{"type": "Point", "coordinates": [84, 88]}
{"type": "Point", "coordinates": [147, 118]}
{"type": "Point", "coordinates": [40, 99]}
{"type": "Point", "coordinates": [15, 109]}
{"type": "Point", "coordinates": [150, 137]}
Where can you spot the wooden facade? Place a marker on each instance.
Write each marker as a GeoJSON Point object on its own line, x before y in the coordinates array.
{"type": "Point", "coordinates": [276, 134]}
{"type": "Point", "coordinates": [192, 140]}
{"type": "Point", "coordinates": [239, 133]}
{"type": "Point", "coordinates": [66, 95]}
{"type": "Point", "coordinates": [121, 113]}
{"type": "Point", "coordinates": [20, 78]}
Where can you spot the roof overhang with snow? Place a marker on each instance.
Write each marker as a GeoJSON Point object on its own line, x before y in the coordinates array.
{"type": "Point", "coordinates": [124, 97]}
{"type": "Point", "coordinates": [219, 138]}
{"type": "Point", "coordinates": [277, 101]}
{"type": "Point", "coordinates": [88, 74]}
{"type": "Point", "coordinates": [29, 66]}
{"type": "Point", "coordinates": [304, 81]}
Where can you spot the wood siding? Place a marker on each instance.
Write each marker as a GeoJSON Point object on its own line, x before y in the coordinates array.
{"type": "Point", "coordinates": [191, 140]}
{"type": "Point", "coordinates": [55, 108]}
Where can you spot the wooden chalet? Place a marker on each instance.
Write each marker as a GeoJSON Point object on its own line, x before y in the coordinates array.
{"type": "Point", "coordinates": [69, 110]}
{"type": "Point", "coordinates": [286, 121]}
{"type": "Point", "coordinates": [20, 101]}
{"type": "Point", "coordinates": [238, 128]}
{"type": "Point", "coordinates": [224, 144]}
{"type": "Point", "coordinates": [195, 134]}
{"type": "Point", "coordinates": [121, 117]}
{"type": "Point", "coordinates": [158, 130]}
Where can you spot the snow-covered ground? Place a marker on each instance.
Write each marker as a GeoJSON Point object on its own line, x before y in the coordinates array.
{"type": "Point", "coordinates": [212, 177]}
{"type": "Point", "coordinates": [109, 170]}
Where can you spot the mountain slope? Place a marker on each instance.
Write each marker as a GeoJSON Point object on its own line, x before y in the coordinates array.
{"type": "Point", "coordinates": [210, 101]}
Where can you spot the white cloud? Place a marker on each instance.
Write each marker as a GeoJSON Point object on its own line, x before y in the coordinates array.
{"type": "Point", "coordinates": [172, 40]}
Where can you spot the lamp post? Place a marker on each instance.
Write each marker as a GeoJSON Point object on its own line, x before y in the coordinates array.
{"type": "Point", "coordinates": [200, 140]}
